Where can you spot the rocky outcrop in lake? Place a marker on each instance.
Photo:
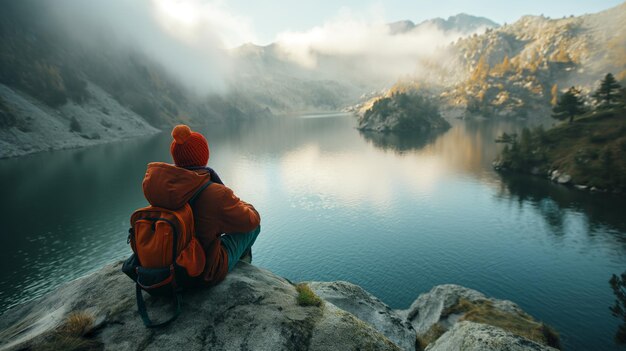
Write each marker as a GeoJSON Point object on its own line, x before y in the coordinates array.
{"type": "Point", "coordinates": [253, 309]}
{"type": "Point", "coordinates": [403, 112]}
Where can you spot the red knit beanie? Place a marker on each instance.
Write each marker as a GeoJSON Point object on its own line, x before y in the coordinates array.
{"type": "Point", "coordinates": [188, 149]}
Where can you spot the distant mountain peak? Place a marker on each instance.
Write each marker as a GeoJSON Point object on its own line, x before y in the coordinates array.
{"type": "Point", "coordinates": [401, 26]}
{"type": "Point", "coordinates": [464, 17]}
{"type": "Point", "coordinates": [462, 22]}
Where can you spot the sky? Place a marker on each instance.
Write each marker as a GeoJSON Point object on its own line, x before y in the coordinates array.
{"type": "Point", "coordinates": [266, 20]}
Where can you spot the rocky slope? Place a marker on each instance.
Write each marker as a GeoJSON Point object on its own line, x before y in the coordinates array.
{"type": "Point", "coordinates": [50, 77]}
{"type": "Point", "coordinates": [518, 69]}
{"type": "Point", "coordinates": [254, 309]}
{"type": "Point", "coordinates": [27, 125]}
{"type": "Point", "coordinates": [285, 87]}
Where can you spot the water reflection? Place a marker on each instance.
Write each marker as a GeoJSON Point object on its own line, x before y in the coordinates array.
{"type": "Point", "coordinates": [603, 211]}
{"type": "Point", "coordinates": [467, 147]}
{"type": "Point", "coordinates": [400, 142]}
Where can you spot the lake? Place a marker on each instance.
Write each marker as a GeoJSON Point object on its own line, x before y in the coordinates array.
{"type": "Point", "coordinates": [396, 215]}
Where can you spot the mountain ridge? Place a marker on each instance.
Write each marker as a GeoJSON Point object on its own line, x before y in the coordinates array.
{"type": "Point", "coordinates": [461, 22]}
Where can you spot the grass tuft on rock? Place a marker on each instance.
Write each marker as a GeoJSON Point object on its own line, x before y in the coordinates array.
{"type": "Point", "coordinates": [70, 335]}
{"type": "Point", "coordinates": [483, 311]}
{"type": "Point", "coordinates": [77, 323]}
{"type": "Point", "coordinates": [306, 296]}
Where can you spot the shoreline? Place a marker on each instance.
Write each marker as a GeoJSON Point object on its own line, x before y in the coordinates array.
{"type": "Point", "coordinates": [76, 146]}
{"type": "Point", "coordinates": [555, 177]}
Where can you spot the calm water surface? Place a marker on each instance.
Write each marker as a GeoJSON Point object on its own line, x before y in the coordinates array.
{"type": "Point", "coordinates": [394, 215]}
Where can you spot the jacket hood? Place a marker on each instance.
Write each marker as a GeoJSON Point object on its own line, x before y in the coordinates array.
{"type": "Point", "coordinates": [168, 186]}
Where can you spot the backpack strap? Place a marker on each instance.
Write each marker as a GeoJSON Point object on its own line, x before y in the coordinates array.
{"type": "Point", "coordinates": [143, 312]}
{"type": "Point", "coordinates": [196, 195]}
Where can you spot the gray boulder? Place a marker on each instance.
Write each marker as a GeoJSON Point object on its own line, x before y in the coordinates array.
{"type": "Point", "coordinates": [252, 309]}
{"type": "Point", "coordinates": [440, 310]}
{"type": "Point", "coordinates": [564, 179]}
{"type": "Point", "coordinates": [436, 306]}
{"type": "Point", "coordinates": [469, 336]}
{"type": "Point", "coordinates": [561, 178]}
{"type": "Point", "coordinates": [555, 175]}
{"type": "Point", "coordinates": [368, 308]}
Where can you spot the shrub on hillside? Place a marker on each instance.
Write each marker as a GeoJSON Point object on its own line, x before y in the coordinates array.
{"type": "Point", "coordinates": [75, 126]}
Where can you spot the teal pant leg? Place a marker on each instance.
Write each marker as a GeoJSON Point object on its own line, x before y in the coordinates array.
{"type": "Point", "coordinates": [237, 243]}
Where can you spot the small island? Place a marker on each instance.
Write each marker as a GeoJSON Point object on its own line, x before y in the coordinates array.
{"type": "Point", "coordinates": [403, 112]}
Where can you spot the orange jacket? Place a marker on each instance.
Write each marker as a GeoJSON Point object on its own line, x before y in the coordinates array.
{"type": "Point", "coordinates": [216, 211]}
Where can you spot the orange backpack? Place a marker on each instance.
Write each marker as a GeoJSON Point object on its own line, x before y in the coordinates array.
{"type": "Point", "coordinates": [166, 257]}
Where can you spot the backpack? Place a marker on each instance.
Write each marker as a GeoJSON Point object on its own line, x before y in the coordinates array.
{"type": "Point", "coordinates": [167, 257]}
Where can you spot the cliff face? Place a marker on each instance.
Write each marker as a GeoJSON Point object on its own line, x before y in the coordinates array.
{"type": "Point", "coordinates": [252, 309]}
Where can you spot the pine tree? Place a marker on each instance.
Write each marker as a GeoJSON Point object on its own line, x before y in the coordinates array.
{"type": "Point", "coordinates": [618, 284]}
{"type": "Point", "coordinates": [608, 93]}
{"type": "Point", "coordinates": [570, 104]}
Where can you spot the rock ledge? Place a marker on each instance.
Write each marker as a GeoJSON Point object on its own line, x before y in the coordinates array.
{"type": "Point", "coordinates": [252, 309]}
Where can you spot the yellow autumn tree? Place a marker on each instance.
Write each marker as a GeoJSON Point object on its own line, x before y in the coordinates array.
{"type": "Point", "coordinates": [481, 71]}
{"type": "Point", "coordinates": [534, 62]}
{"type": "Point", "coordinates": [554, 92]}
{"type": "Point", "coordinates": [502, 68]}
{"type": "Point", "coordinates": [561, 56]}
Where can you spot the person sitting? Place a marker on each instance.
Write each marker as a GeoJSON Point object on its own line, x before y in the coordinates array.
{"type": "Point", "coordinates": [226, 226]}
